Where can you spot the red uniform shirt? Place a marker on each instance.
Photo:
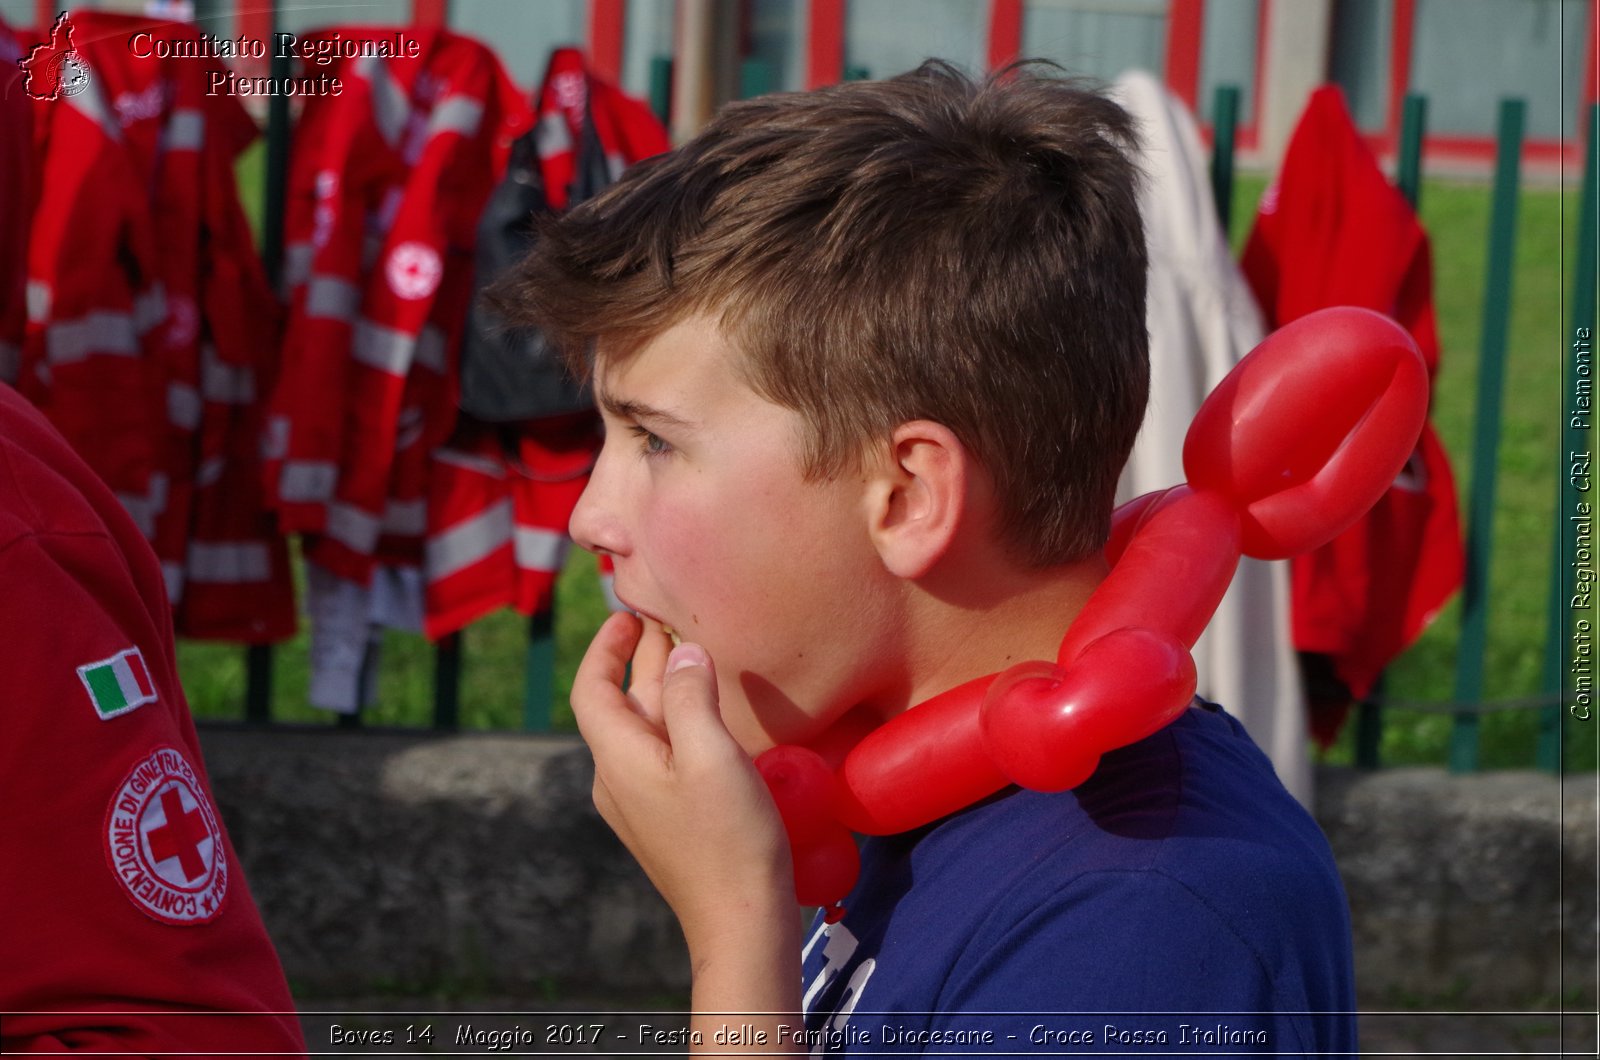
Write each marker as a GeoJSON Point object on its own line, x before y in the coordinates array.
{"type": "Point", "coordinates": [126, 917]}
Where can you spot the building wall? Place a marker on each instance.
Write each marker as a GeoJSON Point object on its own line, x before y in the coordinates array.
{"type": "Point", "coordinates": [1098, 40]}
{"type": "Point", "coordinates": [1469, 54]}
{"type": "Point", "coordinates": [17, 13]}
{"type": "Point", "coordinates": [524, 34]}
{"type": "Point", "coordinates": [887, 37]}
{"type": "Point", "coordinates": [1466, 56]}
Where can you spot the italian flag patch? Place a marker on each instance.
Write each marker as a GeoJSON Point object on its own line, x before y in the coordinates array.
{"type": "Point", "coordinates": [118, 684]}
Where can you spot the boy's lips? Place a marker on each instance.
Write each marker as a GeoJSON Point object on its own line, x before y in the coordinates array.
{"type": "Point", "coordinates": [666, 627]}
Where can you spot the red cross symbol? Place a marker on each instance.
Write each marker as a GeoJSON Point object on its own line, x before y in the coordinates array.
{"type": "Point", "coordinates": [180, 837]}
{"type": "Point", "coordinates": [413, 270]}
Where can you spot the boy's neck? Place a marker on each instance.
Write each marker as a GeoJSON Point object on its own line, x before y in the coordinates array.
{"type": "Point", "coordinates": [988, 618]}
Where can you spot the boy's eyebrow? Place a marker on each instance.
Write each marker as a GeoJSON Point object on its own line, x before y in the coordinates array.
{"type": "Point", "coordinates": [638, 410]}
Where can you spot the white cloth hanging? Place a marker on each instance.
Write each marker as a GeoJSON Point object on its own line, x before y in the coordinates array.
{"type": "Point", "coordinates": [1202, 320]}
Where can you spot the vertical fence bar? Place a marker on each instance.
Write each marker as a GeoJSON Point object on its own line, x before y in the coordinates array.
{"type": "Point", "coordinates": [1486, 441]}
{"type": "Point", "coordinates": [258, 682]}
{"type": "Point", "coordinates": [1369, 727]}
{"type": "Point", "coordinates": [538, 693]}
{"type": "Point", "coordinates": [447, 683]}
{"type": "Point", "coordinates": [1413, 124]}
{"type": "Point", "coordinates": [661, 88]}
{"type": "Point", "coordinates": [1224, 129]}
{"type": "Point", "coordinates": [258, 657]}
{"type": "Point", "coordinates": [1549, 752]}
{"type": "Point", "coordinates": [1408, 178]}
{"type": "Point", "coordinates": [755, 78]}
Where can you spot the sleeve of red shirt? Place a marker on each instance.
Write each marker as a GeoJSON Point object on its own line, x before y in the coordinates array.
{"type": "Point", "coordinates": [93, 957]}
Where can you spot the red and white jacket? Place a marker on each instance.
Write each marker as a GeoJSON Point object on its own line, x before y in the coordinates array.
{"type": "Point", "coordinates": [386, 184]}
{"type": "Point", "coordinates": [498, 522]}
{"type": "Point", "coordinates": [93, 355]}
{"type": "Point", "coordinates": [149, 320]}
{"type": "Point", "coordinates": [129, 926]}
{"type": "Point", "coordinates": [1332, 231]}
{"type": "Point", "coordinates": [500, 525]}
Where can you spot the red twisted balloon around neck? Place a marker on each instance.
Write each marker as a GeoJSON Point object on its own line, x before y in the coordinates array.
{"type": "Point", "coordinates": [1302, 438]}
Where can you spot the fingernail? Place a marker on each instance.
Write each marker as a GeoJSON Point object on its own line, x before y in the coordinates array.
{"type": "Point", "coordinates": [686, 655]}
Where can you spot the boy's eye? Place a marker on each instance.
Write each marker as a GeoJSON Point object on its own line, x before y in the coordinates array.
{"type": "Point", "coordinates": [650, 443]}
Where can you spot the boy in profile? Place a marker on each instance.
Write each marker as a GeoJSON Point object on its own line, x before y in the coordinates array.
{"type": "Point", "coordinates": [870, 360]}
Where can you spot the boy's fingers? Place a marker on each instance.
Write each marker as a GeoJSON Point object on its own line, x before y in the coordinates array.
{"type": "Point", "coordinates": [606, 661]}
{"type": "Point", "coordinates": [598, 704]}
{"type": "Point", "coordinates": [644, 680]}
{"type": "Point", "coordinates": [689, 700]}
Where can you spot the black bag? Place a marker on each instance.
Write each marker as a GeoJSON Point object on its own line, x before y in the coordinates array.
{"type": "Point", "coordinates": [509, 374]}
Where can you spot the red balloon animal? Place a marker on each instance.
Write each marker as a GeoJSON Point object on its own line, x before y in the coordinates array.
{"type": "Point", "coordinates": [1301, 439]}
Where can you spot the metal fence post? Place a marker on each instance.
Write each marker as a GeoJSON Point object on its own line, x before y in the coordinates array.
{"type": "Point", "coordinates": [755, 78]}
{"type": "Point", "coordinates": [1486, 440]}
{"type": "Point", "coordinates": [1224, 127]}
{"type": "Point", "coordinates": [661, 88]}
{"type": "Point", "coordinates": [1413, 124]}
{"type": "Point", "coordinates": [258, 657]}
{"type": "Point", "coordinates": [538, 692]}
{"type": "Point", "coordinates": [1408, 179]}
{"type": "Point", "coordinates": [1550, 753]}
{"type": "Point", "coordinates": [447, 682]}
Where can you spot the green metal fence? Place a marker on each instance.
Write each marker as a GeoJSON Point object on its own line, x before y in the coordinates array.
{"type": "Point", "coordinates": [1469, 704]}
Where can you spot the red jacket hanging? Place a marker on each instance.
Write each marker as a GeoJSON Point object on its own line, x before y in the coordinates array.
{"type": "Point", "coordinates": [497, 526]}
{"type": "Point", "coordinates": [93, 353]}
{"type": "Point", "coordinates": [202, 330]}
{"type": "Point", "coordinates": [386, 185]}
{"type": "Point", "coordinates": [238, 585]}
{"type": "Point", "coordinates": [129, 926]}
{"type": "Point", "coordinates": [1333, 231]}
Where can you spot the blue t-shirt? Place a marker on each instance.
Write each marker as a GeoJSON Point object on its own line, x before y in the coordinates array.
{"type": "Point", "coordinates": [1179, 901]}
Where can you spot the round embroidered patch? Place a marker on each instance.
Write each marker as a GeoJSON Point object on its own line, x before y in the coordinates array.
{"type": "Point", "coordinates": [164, 843]}
{"type": "Point", "coordinates": [413, 270]}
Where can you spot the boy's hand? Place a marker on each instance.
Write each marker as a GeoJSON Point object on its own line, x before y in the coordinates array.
{"type": "Point", "coordinates": [681, 794]}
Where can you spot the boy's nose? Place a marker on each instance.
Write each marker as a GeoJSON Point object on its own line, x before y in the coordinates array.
{"type": "Point", "coordinates": [592, 526]}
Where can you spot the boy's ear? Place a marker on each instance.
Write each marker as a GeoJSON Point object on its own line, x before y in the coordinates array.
{"type": "Point", "coordinates": [917, 497]}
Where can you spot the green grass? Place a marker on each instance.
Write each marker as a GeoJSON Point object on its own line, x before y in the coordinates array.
{"type": "Point", "coordinates": [492, 675]}
{"type": "Point", "coordinates": [1457, 218]}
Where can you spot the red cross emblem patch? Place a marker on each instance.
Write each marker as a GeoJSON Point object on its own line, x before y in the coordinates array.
{"type": "Point", "coordinates": [413, 270]}
{"type": "Point", "coordinates": [164, 843]}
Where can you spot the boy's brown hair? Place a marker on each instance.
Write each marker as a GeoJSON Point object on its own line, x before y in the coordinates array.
{"type": "Point", "coordinates": [926, 247]}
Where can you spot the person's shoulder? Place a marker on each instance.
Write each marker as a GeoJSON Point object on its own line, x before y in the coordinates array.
{"type": "Point", "coordinates": [18, 514]}
{"type": "Point", "coordinates": [1225, 822]}
{"type": "Point", "coordinates": [43, 483]}
{"type": "Point", "coordinates": [1186, 850]}
{"type": "Point", "coordinates": [1197, 805]}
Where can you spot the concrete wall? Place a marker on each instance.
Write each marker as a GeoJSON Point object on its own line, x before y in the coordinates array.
{"type": "Point", "coordinates": [402, 862]}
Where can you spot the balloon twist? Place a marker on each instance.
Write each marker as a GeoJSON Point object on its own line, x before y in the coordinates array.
{"type": "Point", "coordinates": [1303, 437]}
